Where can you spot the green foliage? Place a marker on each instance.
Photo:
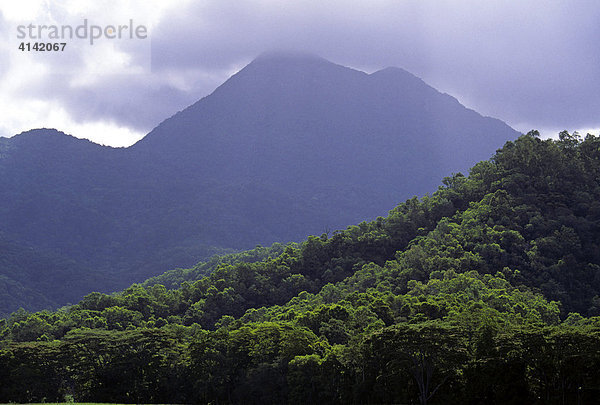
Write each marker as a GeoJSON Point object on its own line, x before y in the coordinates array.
{"type": "Point", "coordinates": [174, 278]}
{"type": "Point", "coordinates": [486, 291]}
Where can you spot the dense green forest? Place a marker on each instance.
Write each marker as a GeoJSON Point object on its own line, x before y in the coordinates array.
{"type": "Point", "coordinates": [487, 291]}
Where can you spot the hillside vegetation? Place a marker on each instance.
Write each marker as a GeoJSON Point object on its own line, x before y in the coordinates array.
{"type": "Point", "coordinates": [291, 145]}
{"type": "Point", "coordinates": [487, 291]}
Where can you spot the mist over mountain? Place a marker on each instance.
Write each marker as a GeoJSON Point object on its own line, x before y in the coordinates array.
{"type": "Point", "coordinates": [289, 146]}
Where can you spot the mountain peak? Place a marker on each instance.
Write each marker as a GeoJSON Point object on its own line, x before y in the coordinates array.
{"type": "Point", "coordinates": [41, 136]}
{"type": "Point", "coordinates": [392, 71]}
{"type": "Point", "coordinates": [281, 64]}
{"type": "Point", "coordinates": [52, 141]}
{"type": "Point", "coordinates": [288, 56]}
{"type": "Point", "coordinates": [42, 132]}
{"type": "Point", "coordinates": [293, 109]}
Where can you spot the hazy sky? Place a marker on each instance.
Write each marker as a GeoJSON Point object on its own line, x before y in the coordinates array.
{"type": "Point", "coordinates": [533, 64]}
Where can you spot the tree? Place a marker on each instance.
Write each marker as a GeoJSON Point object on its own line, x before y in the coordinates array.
{"type": "Point", "coordinates": [433, 353]}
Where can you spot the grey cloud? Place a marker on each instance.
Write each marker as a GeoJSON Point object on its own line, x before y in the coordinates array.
{"type": "Point", "coordinates": [535, 62]}
{"type": "Point", "coordinates": [4, 34]}
{"type": "Point", "coordinates": [524, 62]}
{"type": "Point", "coordinates": [130, 100]}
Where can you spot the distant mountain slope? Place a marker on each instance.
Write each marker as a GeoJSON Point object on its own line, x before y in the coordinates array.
{"type": "Point", "coordinates": [338, 136]}
{"type": "Point", "coordinates": [26, 274]}
{"type": "Point", "coordinates": [485, 292]}
{"type": "Point", "coordinates": [291, 145]}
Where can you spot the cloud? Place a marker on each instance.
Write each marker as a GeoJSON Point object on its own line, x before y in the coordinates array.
{"type": "Point", "coordinates": [90, 91]}
{"type": "Point", "coordinates": [533, 64]}
{"type": "Point", "coordinates": [530, 63]}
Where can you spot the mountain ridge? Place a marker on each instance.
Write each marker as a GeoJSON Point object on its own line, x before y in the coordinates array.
{"type": "Point", "coordinates": [288, 146]}
{"type": "Point", "coordinates": [486, 291]}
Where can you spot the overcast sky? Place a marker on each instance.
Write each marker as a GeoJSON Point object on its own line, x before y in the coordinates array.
{"type": "Point", "coordinates": [533, 64]}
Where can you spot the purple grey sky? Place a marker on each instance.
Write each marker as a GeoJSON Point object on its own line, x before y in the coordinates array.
{"type": "Point", "coordinates": [533, 64]}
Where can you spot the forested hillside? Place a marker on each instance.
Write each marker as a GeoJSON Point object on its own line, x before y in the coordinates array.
{"type": "Point", "coordinates": [25, 273]}
{"type": "Point", "coordinates": [289, 146]}
{"type": "Point", "coordinates": [487, 291]}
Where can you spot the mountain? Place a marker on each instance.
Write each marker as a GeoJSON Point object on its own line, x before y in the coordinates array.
{"type": "Point", "coordinates": [323, 131]}
{"type": "Point", "coordinates": [289, 146]}
{"type": "Point", "coordinates": [485, 292]}
{"type": "Point", "coordinates": [26, 273]}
